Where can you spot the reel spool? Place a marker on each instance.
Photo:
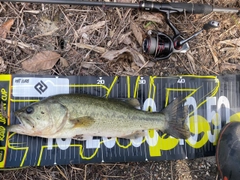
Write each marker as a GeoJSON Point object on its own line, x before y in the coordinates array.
{"type": "Point", "coordinates": [158, 44]}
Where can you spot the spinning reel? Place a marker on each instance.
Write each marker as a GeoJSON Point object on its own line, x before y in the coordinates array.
{"type": "Point", "coordinates": [162, 46]}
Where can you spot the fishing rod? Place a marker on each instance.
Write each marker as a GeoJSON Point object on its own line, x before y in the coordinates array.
{"type": "Point", "coordinates": [158, 44]}
{"type": "Point", "coordinates": [193, 8]}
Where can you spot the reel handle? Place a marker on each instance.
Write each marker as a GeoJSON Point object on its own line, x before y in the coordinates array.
{"type": "Point", "coordinates": [206, 27]}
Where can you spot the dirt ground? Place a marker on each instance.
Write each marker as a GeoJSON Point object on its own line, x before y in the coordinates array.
{"type": "Point", "coordinates": [203, 168]}
{"type": "Point", "coordinates": [104, 41]}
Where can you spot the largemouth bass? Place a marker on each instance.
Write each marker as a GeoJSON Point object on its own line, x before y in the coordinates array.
{"type": "Point", "coordinates": [81, 116]}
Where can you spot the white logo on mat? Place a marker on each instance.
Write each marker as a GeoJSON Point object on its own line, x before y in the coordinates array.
{"type": "Point", "coordinates": [39, 87]}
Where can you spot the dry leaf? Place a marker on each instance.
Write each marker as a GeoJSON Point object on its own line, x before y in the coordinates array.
{"type": "Point", "coordinates": [63, 62]}
{"type": "Point", "coordinates": [3, 67]}
{"type": "Point", "coordinates": [5, 28]}
{"type": "Point", "coordinates": [125, 38]}
{"type": "Point", "coordinates": [136, 56]}
{"type": "Point", "coordinates": [91, 47]}
{"type": "Point", "coordinates": [235, 41]}
{"type": "Point", "coordinates": [41, 61]}
{"type": "Point", "coordinates": [89, 29]}
{"type": "Point", "coordinates": [137, 31]}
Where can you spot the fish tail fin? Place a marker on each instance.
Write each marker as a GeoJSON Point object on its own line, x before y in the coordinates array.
{"type": "Point", "coordinates": [175, 116]}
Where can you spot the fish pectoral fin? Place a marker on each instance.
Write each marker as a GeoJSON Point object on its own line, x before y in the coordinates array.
{"type": "Point", "coordinates": [82, 121]}
{"type": "Point", "coordinates": [134, 135]}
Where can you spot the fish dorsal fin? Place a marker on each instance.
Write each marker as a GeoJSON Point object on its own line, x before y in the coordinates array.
{"type": "Point", "coordinates": [84, 121]}
{"type": "Point", "coordinates": [131, 101]}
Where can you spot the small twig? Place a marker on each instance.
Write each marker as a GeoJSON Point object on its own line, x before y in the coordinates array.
{"type": "Point", "coordinates": [209, 70]}
{"type": "Point", "coordinates": [217, 176]}
{"type": "Point", "coordinates": [49, 33]}
{"type": "Point", "coordinates": [90, 47]}
{"type": "Point", "coordinates": [213, 52]}
{"type": "Point", "coordinates": [119, 14]}
{"type": "Point", "coordinates": [61, 172]}
{"type": "Point", "coordinates": [120, 28]}
{"type": "Point", "coordinates": [113, 176]}
{"type": "Point", "coordinates": [79, 169]}
{"type": "Point", "coordinates": [171, 170]}
{"type": "Point", "coordinates": [184, 64]}
{"type": "Point", "coordinates": [19, 44]}
{"type": "Point", "coordinates": [85, 172]}
{"type": "Point", "coordinates": [191, 60]}
{"type": "Point", "coordinates": [141, 68]}
{"type": "Point", "coordinates": [71, 25]}
{"type": "Point", "coordinates": [32, 11]}
{"type": "Point", "coordinates": [227, 30]}
{"type": "Point", "coordinates": [101, 70]}
{"type": "Point", "coordinates": [78, 10]}
{"type": "Point", "coordinates": [133, 177]}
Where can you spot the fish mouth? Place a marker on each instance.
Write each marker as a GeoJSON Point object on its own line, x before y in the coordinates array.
{"type": "Point", "coordinates": [19, 119]}
{"type": "Point", "coordinates": [24, 120]}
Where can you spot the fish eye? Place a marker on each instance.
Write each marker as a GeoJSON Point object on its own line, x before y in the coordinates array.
{"type": "Point", "coordinates": [29, 110]}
